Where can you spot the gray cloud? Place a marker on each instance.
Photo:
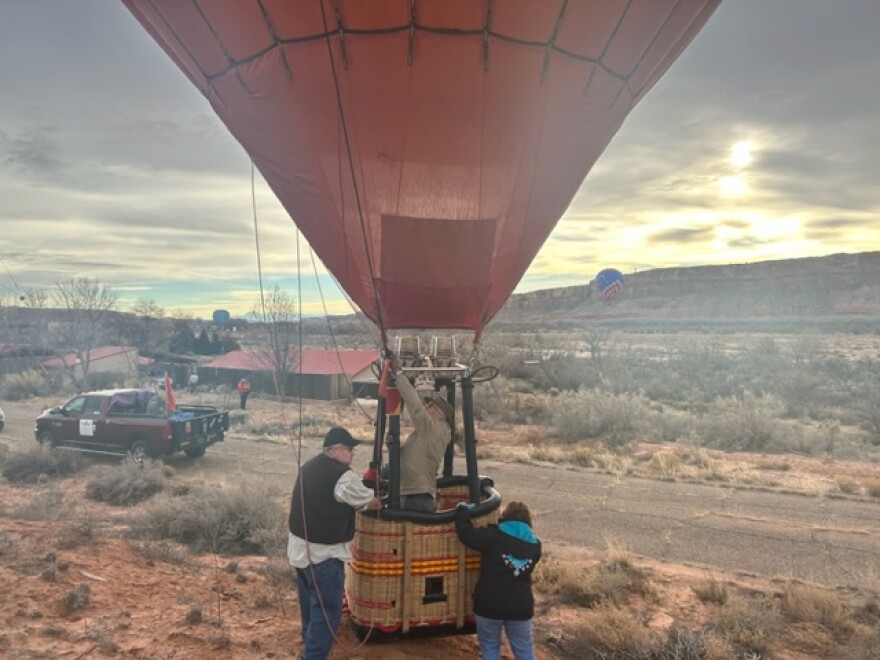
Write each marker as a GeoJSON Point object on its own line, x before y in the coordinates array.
{"type": "Point", "coordinates": [683, 235]}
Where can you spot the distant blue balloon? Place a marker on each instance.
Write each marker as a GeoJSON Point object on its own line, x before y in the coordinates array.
{"type": "Point", "coordinates": [610, 282]}
{"type": "Point", "coordinates": [221, 316]}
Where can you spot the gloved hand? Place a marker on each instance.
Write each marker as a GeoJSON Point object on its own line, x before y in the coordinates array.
{"type": "Point", "coordinates": [463, 510]}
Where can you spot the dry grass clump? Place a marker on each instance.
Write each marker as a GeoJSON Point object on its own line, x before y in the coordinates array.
{"type": "Point", "coordinates": [711, 591]}
{"type": "Point", "coordinates": [596, 456]}
{"type": "Point", "coordinates": [812, 605]}
{"type": "Point", "coordinates": [809, 637]}
{"type": "Point", "coordinates": [241, 520]}
{"type": "Point", "coordinates": [611, 581]}
{"type": "Point", "coordinates": [665, 463]}
{"type": "Point", "coordinates": [847, 485]}
{"type": "Point", "coordinates": [170, 553]}
{"type": "Point", "coordinates": [27, 466]}
{"type": "Point", "coordinates": [872, 487]}
{"type": "Point", "coordinates": [607, 629]}
{"type": "Point", "coordinates": [546, 454]}
{"type": "Point", "coordinates": [126, 484]}
{"type": "Point", "coordinates": [751, 623]}
{"type": "Point", "coordinates": [45, 504]}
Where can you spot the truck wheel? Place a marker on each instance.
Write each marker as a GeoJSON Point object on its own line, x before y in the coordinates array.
{"type": "Point", "coordinates": [139, 452]}
{"type": "Point", "coordinates": [46, 440]}
{"type": "Point", "coordinates": [194, 451]}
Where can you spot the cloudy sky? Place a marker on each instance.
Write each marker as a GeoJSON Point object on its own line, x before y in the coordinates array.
{"type": "Point", "coordinates": [761, 142]}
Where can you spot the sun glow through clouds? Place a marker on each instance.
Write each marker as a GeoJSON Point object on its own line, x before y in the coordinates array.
{"type": "Point", "coordinates": [741, 154]}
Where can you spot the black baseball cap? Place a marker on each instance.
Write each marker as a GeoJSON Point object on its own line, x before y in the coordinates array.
{"type": "Point", "coordinates": [339, 436]}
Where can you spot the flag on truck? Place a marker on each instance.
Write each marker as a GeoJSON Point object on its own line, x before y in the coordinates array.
{"type": "Point", "coordinates": [170, 403]}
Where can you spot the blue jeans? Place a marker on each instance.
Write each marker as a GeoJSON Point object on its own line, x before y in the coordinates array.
{"type": "Point", "coordinates": [320, 606]}
{"type": "Point", "coordinates": [519, 634]}
{"type": "Point", "coordinates": [418, 502]}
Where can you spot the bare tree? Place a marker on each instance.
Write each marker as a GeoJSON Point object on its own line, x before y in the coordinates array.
{"type": "Point", "coordinates": [150, 315]}
{"type": "Point", "coordinates": [82, 329]}
{"type": "Point", "coordinates": [596, 337]}
{"type": "Point", "coordinates": [34, 299]}
{"type": "Point", "coordinates": [277, 336]}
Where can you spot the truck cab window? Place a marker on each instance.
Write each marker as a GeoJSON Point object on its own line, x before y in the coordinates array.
{"type": "Point", "coordinates": [75, 405]}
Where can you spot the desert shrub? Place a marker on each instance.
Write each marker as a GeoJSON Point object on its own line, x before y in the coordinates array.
{"type": "Point", "coordinates": [670, 425]}
{"type": "Point", "coordinates": [616, 419]}
{"type": "Point", "coordinates": [614, 581]}
{"type": "Point", "coordinates": [45, 504]}
{"type": "Point", "coordinates": [27, 384]}
{"type": "Point", "coordinates": [502, 400]}
{"type": "Point", "coordinates": [608, 629]}
{"type": "Point", "coordinates": [269, 428]}
{"type": "Point", "coordinates": [611, 581]}
{"type": "Point", "coordinates": [75, 599]}
{"type": "Point", "coordinates": [749, 423]}
{"type": "Point", "coordinates": [75, 535]}
{"type": "Point", "coordinates": [314, 424]}
{"type": "Point", "coordinates": [566, 372]}
{"type": "Point", "coordinates": [126, 484]}
{"type": "Point", "coordinates": [567, 580]}
{"type": "Point", "coordinates": [809, 637]}
{"type": "Point", "coordinates": [238, 417]}
{"type": "Point", "coordinates": [807, 604]}
{"type": "Point", "coordinates": [27, 466]}
{"type": "Point", "coordinates": [240, 520]}
{"type": "Point", "coordinates": [684, 644]}
{"type": "Point", "coordinates": [750, 623]}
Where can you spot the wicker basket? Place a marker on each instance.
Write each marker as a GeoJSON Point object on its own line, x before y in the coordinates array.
{"type": "Point", "coordinates": [407, 574]}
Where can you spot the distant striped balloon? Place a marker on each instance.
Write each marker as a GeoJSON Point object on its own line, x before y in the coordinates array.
{"type": "Point", "coordinates": [609, 281]}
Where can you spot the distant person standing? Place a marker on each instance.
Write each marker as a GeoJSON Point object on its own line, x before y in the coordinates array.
{"type": "Point", "coordinates": [244, 389]}
{"type": "Point", "coordinates": [193, 382]}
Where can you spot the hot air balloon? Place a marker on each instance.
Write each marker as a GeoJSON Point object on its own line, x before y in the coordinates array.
{"type": "Point", "coordinates": [220, 316]}
{"type": "Point", "coordinates": [609, 281]}
{"type": "Point", "coordinates": [425, 149]}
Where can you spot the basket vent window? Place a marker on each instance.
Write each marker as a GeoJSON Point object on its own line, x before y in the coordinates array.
{"type": "Point", "coordinates": [434, 592]}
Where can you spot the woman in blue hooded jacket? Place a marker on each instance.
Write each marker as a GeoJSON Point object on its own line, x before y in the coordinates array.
{"type": "Point", "coordinates": [503, 595]}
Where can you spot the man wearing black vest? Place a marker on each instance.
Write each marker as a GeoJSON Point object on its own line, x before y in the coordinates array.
{"type": "Point", "coordinates": [325, 497]}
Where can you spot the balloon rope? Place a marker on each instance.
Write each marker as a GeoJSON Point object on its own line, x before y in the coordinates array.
{"type": "Point", "coordinates": [357, 196]}
{"type": "Point", "coordinates": [335, 343]}
{"type": "Point", "coordinates": [257, 239]}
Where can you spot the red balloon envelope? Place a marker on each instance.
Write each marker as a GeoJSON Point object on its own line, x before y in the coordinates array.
{"type": "Point", "coordinates": [425, 148]}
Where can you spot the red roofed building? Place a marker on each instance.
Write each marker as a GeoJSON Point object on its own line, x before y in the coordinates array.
{"type": "Point", "coordinates": [322, 374]}
{"type": "Point", "coordinates": [104, 359]}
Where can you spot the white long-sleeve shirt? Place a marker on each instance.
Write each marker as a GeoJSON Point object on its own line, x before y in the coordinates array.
{"type": "Point", "coordinates": [349, 489]}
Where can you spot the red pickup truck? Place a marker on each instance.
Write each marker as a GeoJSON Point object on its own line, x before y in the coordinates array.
{"type": "Point", "coordinates": [130, 421]}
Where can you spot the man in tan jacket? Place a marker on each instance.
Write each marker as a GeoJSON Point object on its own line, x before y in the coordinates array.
{"type": "Point", "coordinates": [423, 449]}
